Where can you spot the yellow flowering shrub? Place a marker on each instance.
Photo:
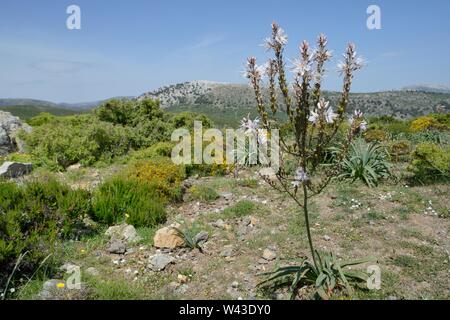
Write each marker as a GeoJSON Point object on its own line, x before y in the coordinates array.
{"type": "Point", "coordinates": [162, 173]}
{"type": "Point", "coordinates": [424, 123]}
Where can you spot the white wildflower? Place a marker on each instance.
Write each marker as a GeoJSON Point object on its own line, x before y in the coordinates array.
{"type": "Point", "coordinates": [301, 68]}
{"type": "Point", "coordinates": [330, 115]}
{"type": "Point", "coordinates": [281, 37]}
{"type": "Point", "coordinates": [249, 125]}
{"type": "Point", "coordinates": [300, 177]}
{"type": "Point", "coordinates": [323, 109]}
{"type": "Point", "coordinates": [313, 117]}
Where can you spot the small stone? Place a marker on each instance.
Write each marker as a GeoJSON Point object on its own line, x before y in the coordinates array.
{"type": "Point", "coordinates": [201, 237]}
{"type": "Point", "coordinates": [262, 261]}
{"type": "Point", "coordinates": [182, 289]}
{"type": "Point", "coordinates": [242, 231]}
{"type": "Point", "coordinates": [269, 255]}
{"type": "Point", "coordinates": [182, 278]}
{"type": "Point", "coordinates": [69, 267]}
{"type": "Point", "coordinates": [159, 262]}
{"type": "Point", "coordinates": [123, 232]}
{"type": "Point", "coordinates": [326, 238]}
{"type": "Point", "coordinates": [268, 174]}
{"type": "Point", "coordinates": [227, 251]}
{"type": "Point", "coordinates": [218, 224]}
{"type": "Point", "coordinates": [117, 247]}
{"type": "Point", "coordinates": [92, 271]}
{"type": "Point", "coordinates": [74, 167]}
{"type": "Point", "coordinates": [227, 196]}
{"type": "Point", "coordinates": [235, 284]}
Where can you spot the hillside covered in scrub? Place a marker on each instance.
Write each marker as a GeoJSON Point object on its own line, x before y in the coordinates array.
{"type": "Point", "coordinates": [224, 102]}
{"type": "Point", "coordinates": [105, 198]}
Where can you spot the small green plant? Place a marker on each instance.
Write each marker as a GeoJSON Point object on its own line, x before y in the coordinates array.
{"type": "Point", "coordinates": [328, 275]}
{"type": "Point", "coordinates": [133, 201]}
{"type": "Point", "coordinates": [240, 209]}
{"type": "Point", "coordinates": [366, 162]}
{"type": "Point", "coordinates": [248, 183]}
{"type": "Point", "coordinates": [189, 237]}
{"type": "Point", "coordinates": [203, 193]}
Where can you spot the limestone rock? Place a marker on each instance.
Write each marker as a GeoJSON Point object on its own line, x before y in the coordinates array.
{"type": "Point", "coordinates": [159, 262]}
{"type": "Point", "coordinates": [168, 237]}
{"type": "Point", "coordinates": [9, 127]}
{"type": "Point", "coordinates": [15, 169]}
{"type": "Point", "coordinates": [124, 232]}
{"type": "Point", "coordinates": [269, 255]}
{"type": "Point", "coordinates": [117, 247]}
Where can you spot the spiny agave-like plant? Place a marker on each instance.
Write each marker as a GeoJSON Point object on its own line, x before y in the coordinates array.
{"type": "Point", "coordinates": [315, 126]}
{"type": "Point", "coordinates": [366, 162]}
{"type": "Point", "coordinates": [189, 238]}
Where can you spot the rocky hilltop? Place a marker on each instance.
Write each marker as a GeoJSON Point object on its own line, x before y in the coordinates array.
{"type": "Point", "coordinates": [215, 98]}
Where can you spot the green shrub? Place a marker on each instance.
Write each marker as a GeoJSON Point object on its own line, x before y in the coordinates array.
{"type": "Point", "coordinates": [160, 149]}
{"type": "Point", "coordinates": [240, 209]}
{"type": "Point", "coordinates": [399, 150]}
{"type": "Point", "coordinates": [33, 217]}
{"type": "Point", "coordinates": [377, 135]}
{"type": "Point", "coordinates": [429, 160]}
{"type": "Point", "coordinates": [366, 162]}
{"type": "Point", "coordinates": [186, 120]}
{"type": "Point", "coordinates": [136, 202]}
{"type": "Point", "coordinates": [203, 193]}
{"type": "Point", "coordinates": [146, 122]}
{"type": "Point", "coordinates": [161, 173]}
{"type": "Point", "coordinates": [40, 119]}
{"type": "Point", "coordinates": [248, 183]}
{"type": "Point", "coordinates": [69, 140]}
{"type": "Point", "coordinates": [19, 157]}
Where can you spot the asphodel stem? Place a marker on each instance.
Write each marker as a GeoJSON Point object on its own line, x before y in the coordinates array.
{"type": "Point", "coordinates": [308, 231]}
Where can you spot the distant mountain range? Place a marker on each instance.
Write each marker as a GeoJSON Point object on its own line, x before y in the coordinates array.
{"type": "Point", "coordinates": [226, 103]}
{"type": "Point", "coordinates": [27, 108]}
{"type": "Point", "coordinates": [436, 88]}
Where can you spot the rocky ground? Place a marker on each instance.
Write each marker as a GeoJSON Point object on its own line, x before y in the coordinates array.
{"type": "Point", "coordinates": [246, 228]}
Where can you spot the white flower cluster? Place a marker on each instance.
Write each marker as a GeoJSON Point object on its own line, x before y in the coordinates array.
{"type": "Point", "coordinates": [278, 40]}
{"type": "Point", "coordinates": [323, 111]}
{"type": "Point", "coordinates": [299, 177]}
{"type": "Point", "coordinates": [251, 127]}
{"type": "Point", "coordinates": [355, 204]}
{"type": "Point", "coordinates": [430, 209]}
{"type": "Point", "coordinates": [352, 61]}
{"type": "Point", "coordinates": [358, 115]}
{"type": "Point", "coordinates": [260, 70]}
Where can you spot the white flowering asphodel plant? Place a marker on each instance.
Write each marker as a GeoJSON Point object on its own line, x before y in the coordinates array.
{"type": "Point", "coordinates": [313, 129]}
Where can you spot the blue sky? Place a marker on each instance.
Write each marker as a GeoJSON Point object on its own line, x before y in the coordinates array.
{"type": "Point", "coordinates": [130, 47]}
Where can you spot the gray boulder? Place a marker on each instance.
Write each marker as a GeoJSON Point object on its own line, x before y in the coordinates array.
{"type": "Point", "coordinates": [159, 262]}
{"type": "Point", "coordinates": [123, 232]}
{"type": "Point", "coordinates": [15, 169]}
{"type": "Point", "coordinates": [9, 127]}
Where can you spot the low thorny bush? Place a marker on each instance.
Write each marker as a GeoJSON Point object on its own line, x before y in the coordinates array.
{"type": "Point", "coordinates": [33, 217]}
